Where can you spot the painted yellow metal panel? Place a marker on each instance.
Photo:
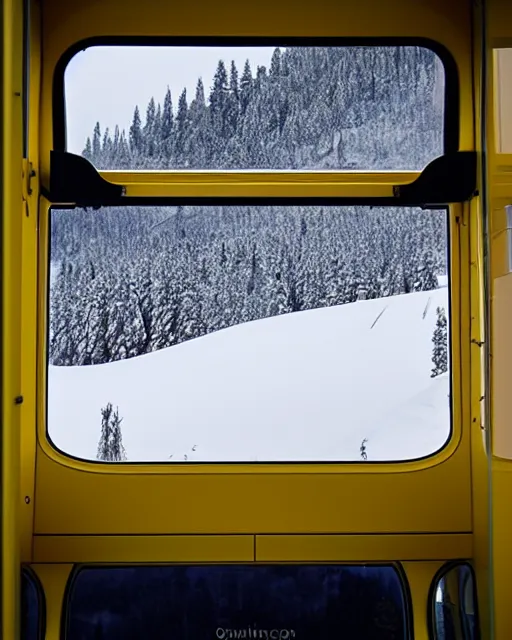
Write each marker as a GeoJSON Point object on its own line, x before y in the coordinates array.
{"type": "Point", "coordinates": [332, 548]}
{"type": "Point", "coordinates": [147, 549]}
{"type": "Point", "coordinates": [29, 221]}
{"type": "Point", "coordinates": [28, 347]}
{"type": "Point", "coordinates": [76, 502]}
{"type": "Point", "coordinates": [10, 193]}
{"type": "Point", "coordinates": [259, 184]}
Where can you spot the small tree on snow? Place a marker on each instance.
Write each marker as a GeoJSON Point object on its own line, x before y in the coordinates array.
{"type": "Point", "coordinates": [440, 341]}
{"type": "Point", "coordinates": [110, 446]}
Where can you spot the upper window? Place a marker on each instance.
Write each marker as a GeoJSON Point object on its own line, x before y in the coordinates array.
{"type": "Point", "coordinates": [503, 100]}
{"type": "Point", "coordinates": [249, 333]}
{"type": "Point", "coordinates": [256, 108]}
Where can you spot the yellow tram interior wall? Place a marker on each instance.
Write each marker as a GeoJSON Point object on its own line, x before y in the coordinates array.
{"type": "Point", "coordinates": [429, 496]}
{"type": "Point", "coordinates": [427, 511]}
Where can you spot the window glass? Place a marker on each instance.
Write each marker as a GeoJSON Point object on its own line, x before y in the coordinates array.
{"type": "Point", "coordinates": [223, 602]}
{"type": "Point", "coordinates": [455, 610]}
{"type": "Point", "coordinates": [249, 333]}
{"type": "Point", "coordinates": [289, 108]}
{"type": "Point", "coordinates": [503, 99]}
{"type": "Point", "coordinates": [30, 608]}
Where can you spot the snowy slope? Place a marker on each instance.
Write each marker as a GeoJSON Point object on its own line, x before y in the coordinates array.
{"type": "Point", "coordinates": [305, 386]}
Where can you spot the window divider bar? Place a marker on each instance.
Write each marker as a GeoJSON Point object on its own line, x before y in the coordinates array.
{"type": "Point", "coordinates": [74, 181]}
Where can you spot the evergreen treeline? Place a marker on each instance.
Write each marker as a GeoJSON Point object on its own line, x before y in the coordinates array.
{"type": "Point", "coordinates": [129, 281]}
{"type": "Point", "coordinates": [315, 108]}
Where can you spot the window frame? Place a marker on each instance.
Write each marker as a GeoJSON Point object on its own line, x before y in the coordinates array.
{"type": "Point", "coordinates": [454, 433]}
{"type": "Point", "coordinates": [252, 187]}
{"type": "Point", "coordinates": [451, 128]}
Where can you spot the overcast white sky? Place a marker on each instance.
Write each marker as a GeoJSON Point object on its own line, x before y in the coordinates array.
{"type": "Point", "coordinates": [105, 83]}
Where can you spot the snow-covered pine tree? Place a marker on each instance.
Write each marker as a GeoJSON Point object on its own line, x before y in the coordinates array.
{"type": "Point", "coordinates": [181, 130]}
{"type": "Point", "coordinates": [440, 341]}
{"type": "Point", "coordinates": [135, 134]}
{"type": "Point", "coordinates": [167, 127]}
{"type": "Point", "coordinates": [96, 144]}
{"type": "Point", "coordinates": [110, 446]}
{"type": "Point", "coordinates": [87, 152]}
{"type": "Point", "coordinates": [149, 140]}
{"type": "Point", "coordinates": [245, 86]}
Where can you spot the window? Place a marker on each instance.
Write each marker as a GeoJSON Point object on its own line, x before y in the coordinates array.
{"type": "Point", "coordinates": [32, 617]}
{"type": "Point", "coordinates": [260, 602]}
{"type": "Point", "coordinates": [455, 605]}
{"type": "Point", "coordinates": [503, 99]}
{"type": "Point", "coordinates": [249, 334]}
{"type": "Point", "coordinates": [248, 108]}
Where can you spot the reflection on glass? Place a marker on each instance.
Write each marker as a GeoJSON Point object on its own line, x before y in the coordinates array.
{"type": "Point", "coordinates": [455, 606]}
{"type": "Point", "coordinates": [293, 108]}
{"type": "Point", "coordinates": [251, 602]}
{"type": "Point", "coordinates": [248, 333]}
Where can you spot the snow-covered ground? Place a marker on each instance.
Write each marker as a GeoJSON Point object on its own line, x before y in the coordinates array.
{"type": "Point", "coordinates": [307, 386]}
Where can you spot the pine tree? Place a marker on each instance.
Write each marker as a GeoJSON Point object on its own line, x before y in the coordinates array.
{"type": "Point", "coordinates": [110, 446]}
{"type": "Point", "coordinates": [149, 130]}
{"type": "Point", "coordinates": [106, 151]}
{"type": "Point", "coordinates": [233, 81]}
{"type": "Point", "coordinates": [245, 86]}
{"type": "Point", "coordinates": [275, 64]}
{"type": "Point", "coordinates": [220, 90]}
{"type": "Point", "coordinates": [182, 122]}
{"type": "Point", "coordinates": [233, 101]}
{"type": "Point", "coordinates": [167, 126]}
{"type": "Point", "coordinates": [87, 152]}
{"type": "Point", "coordinates": [440, 340]}
{"type": "Point", "coordinates": [136, 133]}
{"type": "Point", "coordinates": [96, 144]}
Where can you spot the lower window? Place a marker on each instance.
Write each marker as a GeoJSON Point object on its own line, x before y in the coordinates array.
{"type": "Point", "coordinates": [249, 334]}
{"type": "Point", "coordinates": [32, 607]}
{"type": "Point", "coordinates": [453, 604]}
{"type": "Point", "coordinates": [278, 602]}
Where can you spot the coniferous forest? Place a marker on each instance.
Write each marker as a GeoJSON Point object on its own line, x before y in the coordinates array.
{"type": "Point", "coordinates": [128, 281]}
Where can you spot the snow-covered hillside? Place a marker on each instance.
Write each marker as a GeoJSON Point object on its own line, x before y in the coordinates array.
{"type": "Point", "coordinates": [304, 386]}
